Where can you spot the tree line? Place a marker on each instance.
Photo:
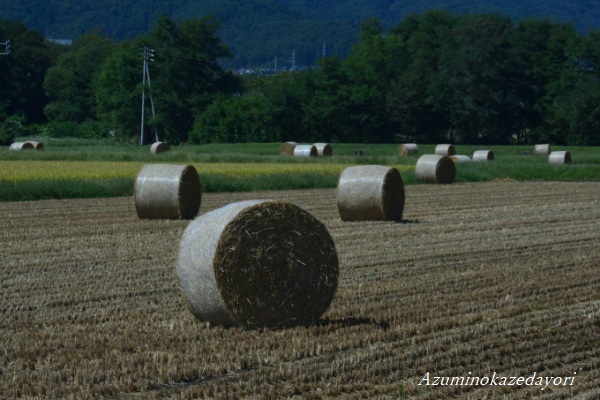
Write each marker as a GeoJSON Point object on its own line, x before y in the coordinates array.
{"type": "Point", "coordinates": [437, 76]}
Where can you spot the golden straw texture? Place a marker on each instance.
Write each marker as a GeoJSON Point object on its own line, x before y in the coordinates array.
{"type": "Point", "coordinates": [288, 148]}
{"type": "Point", "coordinates": [408, 149]}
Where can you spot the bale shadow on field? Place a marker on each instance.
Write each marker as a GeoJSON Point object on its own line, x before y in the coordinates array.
{"type": "Point", "coordinates": [354, 321]}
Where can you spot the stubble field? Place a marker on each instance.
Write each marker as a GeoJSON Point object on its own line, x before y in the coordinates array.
{"type": "Point", "coordinates": [479, 279]}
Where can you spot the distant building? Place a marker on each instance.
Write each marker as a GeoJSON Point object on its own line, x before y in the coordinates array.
{"type": "Point", "coordinates": [63, 42]}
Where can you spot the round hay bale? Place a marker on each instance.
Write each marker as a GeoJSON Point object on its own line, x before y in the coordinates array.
{"type": "Point", "coordinates": [559, 157]}
{"type": "Point", "coordinates": [542, 149]}
{"type": "Point", "coordinates": [167, 191]}
{"type": "Point", "coordinates": [408, 149]}
{"type": "Point", "coordinates": [324, 149]}
{"type": "Point", "coordinates": [370, 192]}
{"type": "Point", "coordinates": [434, 168]}
{"type": "Point", "coordinates": [459, 158]}
{"type": "Point", "coordinates": [483, 155]}
{"type": "Point", "coordinates": [18, 146]}
{"type": "Point", "coordinates": [305, 150]}
{"type": "Point", "coordinates": [258, 263]}
{"type": "Point", "coordinates": [159, 147]}
{"type": "Point", "coordinates": [288, 148]}
{"type": "Point", "coordinates": [39, 146]}
{"type": "Point", "coordinates": [445, 149]}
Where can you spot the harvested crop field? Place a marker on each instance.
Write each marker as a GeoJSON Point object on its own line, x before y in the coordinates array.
{"type": "Point", "coordinates": [485, 280]}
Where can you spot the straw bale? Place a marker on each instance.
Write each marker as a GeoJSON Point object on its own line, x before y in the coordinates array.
{"type": "Point", "coordinates": [483, 155]}
{"type": "Point", "coordinates": [39, 146]}
{"type": "Point", "coordinates": [459, 158]}
{"type": "Point", "coordinates": [434, 168]}
{"type": "Point", "coordinates": [559, 157]}
{"type": "Point", "coordinates": [18, 146]}
{"type": "Point", "coordinates": [167, 191]}
{"type": "Point", "coordinates": [159, 147]}
{"type": "Point", "coordinates": [305, 150]}
{"type": "Point", "coordinates": [445, 150]}
{"type": "Point", "coordinates": [408, 149]}
{"type": "Point", "coordinates": [258, 263]}
{"type": "Point", "coordinates": [324, 149]}
{"type": "Point", "coordinates": [288, 148]}
{"type": "Point", "coordinates": [370, 192]}
{"type": "Point", "coordinates": [542, 149]}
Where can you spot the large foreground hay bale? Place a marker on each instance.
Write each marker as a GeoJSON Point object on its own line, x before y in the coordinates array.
{"type": "Point", "coordinates": [542, 149]}
{"type": "Point", "coordinates": [305, 150]}
{"type": "Point", "coordinates": [459, 158]}
{"type": "Point", "coordinates": [408, 149]}
{"type": "Point", "coordinates": [258, 263]}
{"type": "Point", "coordinates": [167, 191]}
{"type": "Point", "coordinates": [324, 149]}
{"type": "Point", "coordinates": [370, 192]}
{"type": "Point", "coordinates": [159, 147]}
{"type": "Point", "coordinates": [445, 150]}
{"type": "Point", "coordinates": [39, 146]}
{"type": "Point", "coordinates": [559, 157]}
{"type": "Point", "coordinates": [288, 148]}
{"type": "Point", "coordinates": [434, 168]}
{"type": "Point", "coordinates": [18, 146]}
{"type": "Point", "coordinates": [483, 155]}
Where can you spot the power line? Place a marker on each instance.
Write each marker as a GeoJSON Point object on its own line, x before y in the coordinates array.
{"type": "Point", "coordinates": [147, 55]}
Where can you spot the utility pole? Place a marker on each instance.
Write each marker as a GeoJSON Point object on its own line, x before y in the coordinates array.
{"type": "Point", "coordinates": [6, 45]}
{"type": "Point", "coordinates": [293, 68]}
{"type": "Point", "coordinates": [147, 55]}
{"type": "Point", "coordinates": [324, 51]}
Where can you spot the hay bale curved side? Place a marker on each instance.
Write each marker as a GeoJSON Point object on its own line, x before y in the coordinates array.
{"type": "Point", "coordinates": [305, 150]}
{"type": "Point", "coordinates": [167, 191]}
{"type": "Point", "coordinates": [445, 150]}
{"type": "Point", "coordinates": [434, 168]}
{"type": "Point", "coordinates": [324, 149]}
{"type": "Point", "coordinates": [288, 148]}
{"type": "Point", "coordinates": [258, 263]}
{"type": "Point", "coordinates": [159, 147]}
{"type": "Point", "coordinates": [39, 146]}
{"type": "Point", "coordinates": [542, 149]}
{"type": "Point", "coordinates": [559, 157]}
{"type": "Point", "coordinates": [459, 158]}
{"type": "Point", "coordinates": [370, 192]}
{"type": "Point", "coordinates": [483, 155]}
{"type": "Point", "coordinates": [18, 146]}
{"type": "Point", "coordinates": [408, 149]}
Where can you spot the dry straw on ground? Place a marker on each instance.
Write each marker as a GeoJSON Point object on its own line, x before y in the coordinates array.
{"type": "Point", "coordinates": [459, 158]}
{"type": "Point", "coordinates": [445, 150]}
{"type": "Point", "coordinates": [305, 150]}
{"type": "Point", "coordinates": [483, 155]}
{"type": "Point", "coordinates": [166, 191]}
{"type": "Point", "coordinates": [18, 146]}
{"type": "Point", "coordinates": [288, 148]}
{"type": "Point", "coordinates": [408, 149]}
{"type": "Point", "coordinates": [542, 149]}
{"type": "Point", "coordinates": [370, 192]}
{"type": "Point", "coordinates": [258, 263]}
{"type": "Point", "coordinates": [559, 157]}
{"type": "Point", "coordinates": [39, 146]}
{"type": "Point", "coordinates": [324, 149]}
{"type": "Point", "coordinates": [159, 147]}
{"type": "Point", "coordinates": [434, 168]}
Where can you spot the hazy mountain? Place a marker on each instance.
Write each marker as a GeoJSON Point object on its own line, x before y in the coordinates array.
{"type": "Point", "coordinates": [260, 31]}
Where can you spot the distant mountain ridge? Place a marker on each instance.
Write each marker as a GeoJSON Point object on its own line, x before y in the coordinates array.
{"type": "Point", "coordinates": [259, 32]}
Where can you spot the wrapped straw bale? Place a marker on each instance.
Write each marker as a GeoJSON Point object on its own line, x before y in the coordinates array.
{"type": "Point", "coordinates": [370, 192]}
{"type": "Point", "coordinates": [258, 263]}
{"type": "Point", "coordinates": [559, 157]}
{"type": "Point", "coordinates": [459, 158]}
{"type": "Point", "coordinates": [305, 150]}
{"type": "Point", "coordinates": [167, 191]}
{"type": "Point", "coordinates": [39, 146]}
{"type": "Point", "coordinates": [18, 146]}
{"type": "Point", "coordinates": [542, 149]}
{"type": "Point", "coordinates": [324, 149]}
{"type": "Point", "coordinates": [445, 150]}
{"type": "Point", "coordinates": [159, 147]}
{"type": "Point", "coordinates": [483, 155]}
{"type": "Point", "coordinates": [434, 168]}
{"type": "Point", "coordinates": [408, 149]}
{"type": "Point", "coordinates": [288, 148]}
